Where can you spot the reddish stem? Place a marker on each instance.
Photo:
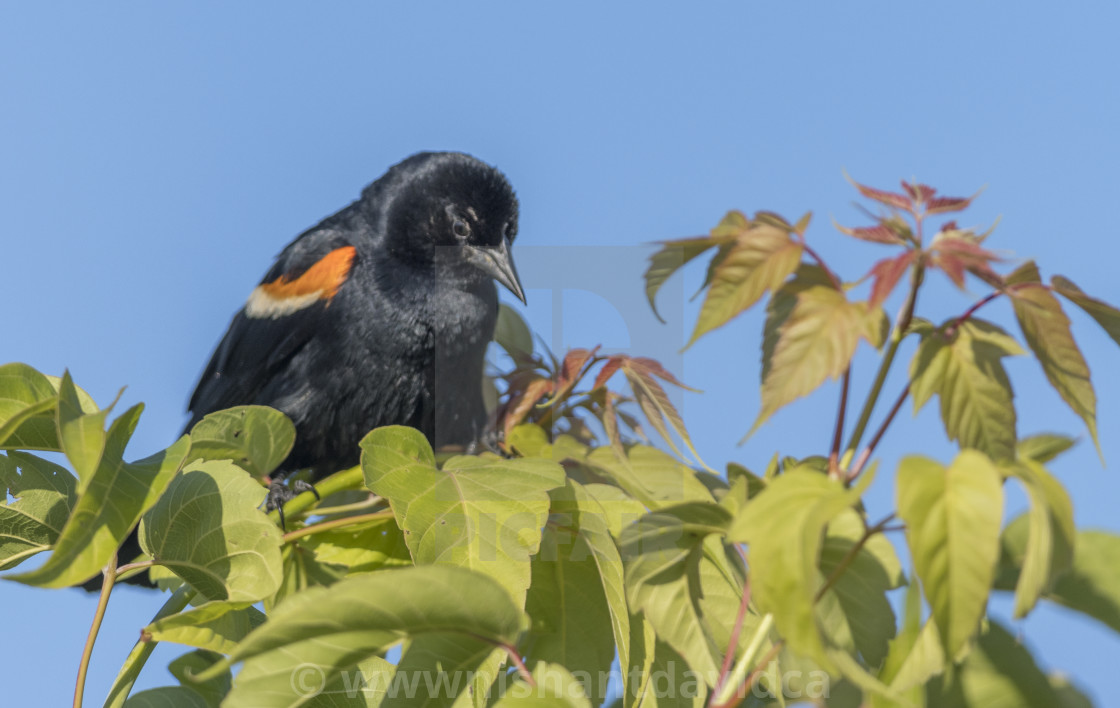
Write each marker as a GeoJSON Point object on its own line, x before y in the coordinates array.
{"type": "Point", "coordinates": [838, 433]}
{"type": "Point", "coordinates": [733, 644]}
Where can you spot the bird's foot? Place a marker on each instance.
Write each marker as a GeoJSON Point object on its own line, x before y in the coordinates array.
{"type": "Point", "coordinates": [490, 441]}
{"type": "Point", "coordinates": [280, 494]}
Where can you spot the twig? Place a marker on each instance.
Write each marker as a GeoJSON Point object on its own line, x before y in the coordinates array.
{"type": "Point", "coordinates": [733, 643]}
{"type": "Point", "coordinates": [865, 455]}
{"type": "Point", "coordinates": [820, 261]}
{"type": "Point", "coordinates": [838, 434]}
{"type": "Point", "coordinates": [732, 690]}
{"type": "Point", "coordinates": [335, 523]}
{"type": "Point", "coordinates": [110, 574]}
{"type": "Point", "coordinates": [516, 660]}
{"type": "Point", "coordinates": [902, 323]}
{"type": "Point", "coordinates": [850, 556]}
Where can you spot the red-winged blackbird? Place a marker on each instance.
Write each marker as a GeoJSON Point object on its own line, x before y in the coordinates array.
{"type": "Point", "coordinates": [379, 315]}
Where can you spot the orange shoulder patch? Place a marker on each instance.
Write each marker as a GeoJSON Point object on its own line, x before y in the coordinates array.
{"type": "Point", "coordinates": [322, 279]}
{"type": "Point", "coordinates": [285, 295]}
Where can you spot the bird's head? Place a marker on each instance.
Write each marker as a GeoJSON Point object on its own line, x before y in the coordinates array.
{"type": "Point", "coordinates": [457, 213]}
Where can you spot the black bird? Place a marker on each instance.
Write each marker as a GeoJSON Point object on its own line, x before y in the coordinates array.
{"type": "Point", "coordinates": [379, 315]}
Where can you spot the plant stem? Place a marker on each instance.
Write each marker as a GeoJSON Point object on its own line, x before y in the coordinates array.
{"type": "Point", "coordinates": [373, 500]}
{"type": "Point", "coordinates": [865, 455]}
{"type": "Point", "coordinates": [110, 573]}
{"type": "Point", "coordinates": [902, 322]}
{"type": "Point", "coordinates": [838, 433]}
{"type": "Point", "coordinates": [820, 261]}
{"type": "Point", "coordinates": [851, 556]}
{"type": "Point", "coordinates": [730, 689]}
{"type": "Point", "coordinates": [733, 643]}
{"type": "Point", "coordinates": [336, 523]}
{"type": "Point", "coordinates": [515, 659]}
{"type": "Point", "coordinates": [143, 649]}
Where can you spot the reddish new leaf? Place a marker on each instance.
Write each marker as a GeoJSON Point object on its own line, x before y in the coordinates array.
{"type": "Point", "coordinates": [883, 197]}
{"type": "Point", "coordinates": [571, 370]}
{"type": "Point", "coordinates": [655, 403]}
{"type": "Point", "coordinates": [613, 364]}
{"type": "Point", "coordinates": [609, 419]}
{"type": "Point", "coordinates": [944, 205]}
{"type": "Point", "coordinates": [523, 401]}
{"type": "Point", "coordinates": [919, 193]}
{"type": "Point", "coordinates": [882, 233]}
{"type": "Point", "coordinates": [887, 273]}
{"type": "Point", "coordinates": [654, 367]}
{"type": "Point", "coordinates": [956, 255]}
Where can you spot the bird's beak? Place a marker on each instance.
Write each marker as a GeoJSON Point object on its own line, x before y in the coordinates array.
{"type": "Point", "coordinates": [497, 262]}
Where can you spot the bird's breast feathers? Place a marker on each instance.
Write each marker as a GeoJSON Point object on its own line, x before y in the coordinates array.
{"type": "Point", "coordinates": [293, 292]}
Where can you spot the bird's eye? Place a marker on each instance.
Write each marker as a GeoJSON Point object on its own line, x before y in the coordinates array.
{"type": "Point", "coordinates": [461, 228]}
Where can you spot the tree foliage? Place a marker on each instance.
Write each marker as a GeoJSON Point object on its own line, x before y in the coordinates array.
{"type": "Point", "coordinates": [523, 577]}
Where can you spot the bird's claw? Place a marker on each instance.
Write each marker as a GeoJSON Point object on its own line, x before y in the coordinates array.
{"type": "Point", "coordinates": [280, 494]}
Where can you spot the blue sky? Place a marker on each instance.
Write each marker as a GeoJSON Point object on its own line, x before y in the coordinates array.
{"type": "Point", "coordinates": [154, 158]}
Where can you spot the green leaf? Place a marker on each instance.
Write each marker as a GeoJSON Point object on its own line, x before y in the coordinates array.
{"type": "Point", "coordinates": [209, 531]}
{"type": "Point", "coordinates": [966, 373]}
{"type": "Point", "coordinates": [953, 518]}
{"type": "Point", "coordinates": [1107, 316]}
{"type": "Point", "coordinates": [448, 665]}
{"type": "Point", "coordinates": [784, 526]}
{"type": "Point", "coordinates": [367, 686]}
{"type": "Point", "coordinates": [116, 496]}
{"type": "Point", "coordinates": [571, 619]}
{"type": "Point", "coordinates": [134, 662]}
{"type": "Point", "coordinates": [1044, 447]}
{"type": "Point", "coordinates": [860, 590]}
{"type": "Point", "coordinates": [216, 626]}
{"type": "Point", "coordinates": [556, 688]}
{"type": "Point", "coordinates": [481, 513]}
{"type": "Point", "coordinates": [1046, 329]}
{"type": "Point", "coordinates": [915, 653]}
{"type": "Point", "coordinates": [760, 260]}
{"type": "Point", "coordinates": [672, 256]}
{"type": "Point", "coordinates": [255, 438]}
{"type": "Point", "coordinates": [184, 668]}
{"type": "Point", "coordinates": [178, 696]}
{"type": "Point", "coordinates": [654, 668]}
{"type": "Point", "coordinates": [1047, 550]}
{"type": "Point", "coordinates": [44, 496]}
{"type": "Point", "coordinates": [662, 552]}
{"type": "Point", "coordinates": [328, 630]}
{"type": "Point", "coordinates": [999, 673]}
{"type": "Point", "coordinates": [301, 570]}
{"type": "Point", "coordinates": [1092, 585]}
{"type": "Point", "coordinates": [512, 334]}
{"type": "Point", "coordinates": [575, 507]}
{"type": "Point", "coordinates": [651, 476]}
{"type": "Point", "coordinates": [81, 434]}
{"type": "Point", "coordinates": [810, 335]}
{"type": "Point", "coordinates": [363, 547]}
{"type": "Point", "coordinates": [27, 401]}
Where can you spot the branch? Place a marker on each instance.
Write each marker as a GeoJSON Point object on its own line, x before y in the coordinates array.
{"type": "Point", "coordinates": [902, 322]}
{"type": "Point", "coordinates": [865, 455]}
{"type": "Point", "coordinates": [110, 574]}
{"type": "Point", "coordinates": [335, 523]}
{"type": "Point", "coordinates": [851, 556]}
{"type": "Point", "coordinates": [733, 643]}
{"type": "Point", "coordinates": [838, 433]}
